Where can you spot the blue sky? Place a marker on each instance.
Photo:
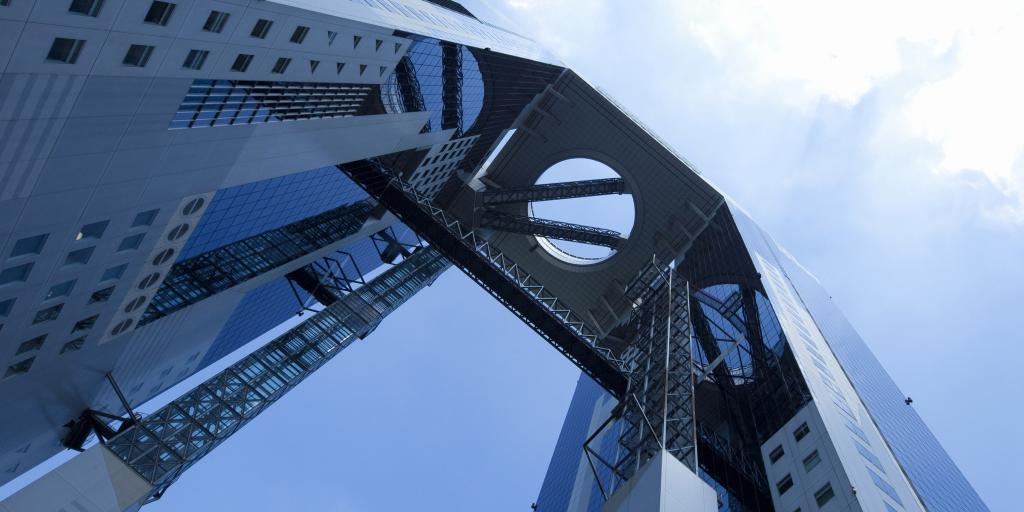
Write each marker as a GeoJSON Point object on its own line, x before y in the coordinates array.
{"type": "Point", "coordinates": [879, 143]}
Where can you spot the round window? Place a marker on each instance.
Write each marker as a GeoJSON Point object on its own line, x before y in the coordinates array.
{"type": "Point", "coordinates": [178, 232]}
{"type": "Point", "coordinates": [136, 303]}
{"type": "Point", "coordinates": [193, 206]}
{"type": "Point", "coordinates": [611, 214]}
{"type": "Point", "coordinates": [121, 327]}
{"type": "Point", "coordinates": [149, 280]}
{"type": "Point", "coordinates": [164, 256]}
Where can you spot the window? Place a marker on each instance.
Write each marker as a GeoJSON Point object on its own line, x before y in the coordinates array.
{"type": "Point", "coordinates": [340, 66]}
{"type": "Point", "coordinates": [823, 495]}
{"type": "Point", "coordinates": [86, 7]}
{"type": "Point", "coordinates": [163, 257]}
{"type": "Point", "coordinates": [869, 456]}
{"type": "Point", "coordinates": [159, 13]}
{"type": "Point", "coordinates": [377, 44]}
{"type": "Point", "coordinates": [784, 485]}
{"type": "Point", "coordinates": [113, 272]}
{"type": "Point", "coordinates": [241, 62]}
{"type": "Point", "coordinates": [79, 257]}
{"type": "Point", "coordinates": [811, 461]}
{"type": "Point", "coordinates": [65, 50]}
{"type": "Point", "coordinates": [149, 280]}
{"type": "Point", "coordinates": [177, 232]}
{"type": "Point", "coordinates": [60, 290]}
{"type": "Point", "coordinates": [31, 345]}
{"type": "Point", "coordinates": [145, 218]}
{"type": "Point", "coordinates": [215, 22]}
{"type": "Point", "coordinates": [193, 206]}
{"type": "Point", "coordinates": [195, 59]}
{"type": "Point", "coordinates": [858, 432]}
{"type": "Point", "coordinates": [776, 454]}
{"type": "Point", "coordinates": [330, 37]}
{"type": "Point", "coordinates": [101, 295]}
{"type": "Point", "coordinates": [398, 46]}
{"type": "Point", "coordinates": [131, 243]}
{"type": "Point", "coordinates": [299, 35]}
{"type": "Point", "coordinates": [50, 313]}
{"type": "Point", "coordinates": [84, 324]}
{"type": "Point", "coordinates": [94, 230]}
{"type": "Point", "coordinates": [801, 431]}
{"type": "Point", "coordinates": [5, 3]}
{"type": "Point", "coordinates": [138, 55]}
{"type": "Point", "coordinates": [121, 327]}
{"type": "Point", "coordinates": [17, 274]}
{"type": "Point", "coordinates": [6, 306]}
{"type": "Point", "coordinates": [29, 245]}
{"type": "Point", "coordinates": [355, 41]}
{"type": "Point", "coordinates": [136, 303]}
{"type": "Point", "coordinates": [362, 69]}
{"type": "Point", "coordinates": [281, 65]}
{"type": "Point", "coordinates": [19, 367]}
{"type": "Point", "coordinates": [73, 345]}
{"type": "Point", "coordinates": [313, 64]}
{"type": "Point", "coordinates": [261, 29]}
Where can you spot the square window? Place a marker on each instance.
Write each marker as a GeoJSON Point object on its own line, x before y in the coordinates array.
{"type": "Point", "coordinates": [801, 431]}
{"type": "Point", "coordinates": [17, 274]}
{"type": "Point", "coordinates": [131, 243]}
{"type": "Point", "coordinates": [241, 62]}
{"type": "Point", "coordinates": [6, 306]}
{"type": "Point", "coordinates": [159, 13]}
{"type": "Point", "coordinates": [31, 345]}
{"type": "Point", "coordinates": [73, 345]}
{"type": "Point", "coordinates": [195, 59]}
{"type": "Point", "coordinates": [79, 257]}
{"type": "Point", "coordinates": [138, 55]}
{"type": "Point", "coordinates": [145, 218]}
{"type": "Point", "coordinates": [776, 454]}
{"type": "Point", "coordinates": [823, 495]}
{"type": "Point", "coordinates": [113, 273]}
{"type": "Point", "coordinates": [65, 50]}
{"type": "Point", "coordinates": [29, 245]}
{"type": "Point", "coordinates": [101, 295]}
{"type": "Point", "coordinates": [784, 485]}
{"type": "Point", "coordinates": [84, 324]}
{"type": "Point", "coordinates": [811, 461]}
{"type": "Point", "coordinates": [261, 28]}
{"type": "Point", "coordinates": [94, 230]}
{"type": "Point", "coordinates": [299, 35]}
{"type": "Point", "coordinates": [215, 21]}
{"type": "Point", "coordinates": [48, 314]}
{"type": "Point", "coordinates": [86, 7]}
{"type": "Point", "coordinates": [19, 367]}
{"type": "Point", "coordinates": [281, 65]}
{"type": "Point", "coordinates": [60, 290]}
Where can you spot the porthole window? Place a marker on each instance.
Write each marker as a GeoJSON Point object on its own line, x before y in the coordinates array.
{"type": "Point", "coordinates": [136, 303]}
{"type": "Point", "coordinates": [164, 256]}
{"type": "Point", "coordinates": [121, 327]}
{"type": "Point", "coordinates": [193, 206]}
{"type": "Point", "coordinates": [178, 232]}
{"type": "Point", "coordinates": [149, 280]}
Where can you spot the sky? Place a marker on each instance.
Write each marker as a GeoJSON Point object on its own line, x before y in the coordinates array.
{"type": "Point", "coordinates": [879, 142]}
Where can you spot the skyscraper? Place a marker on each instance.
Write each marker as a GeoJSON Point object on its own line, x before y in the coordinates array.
{"type": "Point", "coordinates": [186, 175]}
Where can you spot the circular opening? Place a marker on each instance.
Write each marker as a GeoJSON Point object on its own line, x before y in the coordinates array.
{"type": "Point", "coordinates": [136, 303]}
{"type": "Point", "coordinates": [122, 327]}
{"type": "Point", "coordinates": [149, 280]}
{"type": "Point", "coordinates": [193, 206]}
{"type": "Point", "coordinates": [163, 257]}
{"type": "Point", "coordinates": [613, 212]}
{"type": "Point", "coordinates": [177, 232]}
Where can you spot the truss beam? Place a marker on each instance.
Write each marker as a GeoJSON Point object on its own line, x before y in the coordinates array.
{"type": "Point", "coordinates": [521, 224]}
{"type": "Point", "coordinates": [554, 191]}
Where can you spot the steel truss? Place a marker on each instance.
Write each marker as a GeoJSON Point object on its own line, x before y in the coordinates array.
{"type": "Point", "coordinates": [505, 280]}
{"type": "Point", "coordinates": [554, 191]}
{"type": "Point", "coordinates": [658, 412]}
{"type": "Point", "coordinates": [451, 87]}
{"type": "Point", "coordinates": [326, 279]}
{"type": "Point", "coordinates": [164, 444]}
{"type": "Point", "coordinates": [214, 271]}
{"type": "Point", "coordinates": [550, 229]}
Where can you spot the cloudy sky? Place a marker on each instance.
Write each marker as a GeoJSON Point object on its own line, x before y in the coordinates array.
{"type": "Point", "coordinates": [880, 142]}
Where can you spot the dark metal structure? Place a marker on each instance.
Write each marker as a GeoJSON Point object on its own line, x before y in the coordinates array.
{"type": "Point", "coordinates": [554, 191]}
{"type": "Point", "coordinates": [550, 229]}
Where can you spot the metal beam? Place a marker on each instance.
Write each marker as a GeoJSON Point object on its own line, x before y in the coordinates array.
{"type": "Point", "coordinates": [506, 281]}
{"type": "Point", "coordinates": [550, 229]}
{"type": "Point", "coordinates": [554, 191]}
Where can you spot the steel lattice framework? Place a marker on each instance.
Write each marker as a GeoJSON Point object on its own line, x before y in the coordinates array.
{"type": "Point", "coordinates": [197, 278]}
{"type": "Point", "coordinates": [554, 191]}
{"type": "Point", "coordinates": [522, 224]}
{"type": "Point", "coordinates": [166, 443]}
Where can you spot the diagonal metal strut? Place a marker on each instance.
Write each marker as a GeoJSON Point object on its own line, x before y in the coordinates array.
{"type": "Point", "coordinates": [554, 191]}
{"type": "Point", "coordinates": [550, 229]}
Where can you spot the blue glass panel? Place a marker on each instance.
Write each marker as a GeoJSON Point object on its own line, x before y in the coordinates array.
{"type": "Point", "coordinates": [869, 455]}
{"type": "Point", "coordinates": [885, 486]}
